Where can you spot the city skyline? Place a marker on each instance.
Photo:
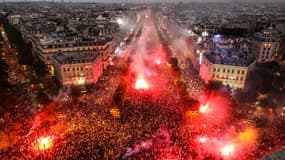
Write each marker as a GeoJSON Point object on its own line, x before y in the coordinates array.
{"type": "Point", "coordinates": [155, 1]}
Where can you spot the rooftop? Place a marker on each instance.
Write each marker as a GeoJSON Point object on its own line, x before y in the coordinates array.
{"type": "Point", "coordinates": [267, 35]}
{"type": "Point", "coordinates": [75, 59]}
{"type": "Point", "coordinates": [229, 50]}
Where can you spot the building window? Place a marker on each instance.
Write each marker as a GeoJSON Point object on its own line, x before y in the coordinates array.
{"type": "Point", "coordinates": [218, 69]}
{"type": "Point", "coordinates": [68, 69]}
{"type": "Point", "coordinates": [63, 69]}
{"type": "Point", "coordinates": [214, 69]}
{"type": "Point", "coordinates": [233, 71]}
{"type": "Point", "coordinates": [224, 70]}
{"type": "Point", "coordinates": [238, 71]}
{"type": "Point", "coordinates": [242, 72]}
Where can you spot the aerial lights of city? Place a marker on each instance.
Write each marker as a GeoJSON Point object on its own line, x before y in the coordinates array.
{"type": "Point", "coordinates": [153, 96]}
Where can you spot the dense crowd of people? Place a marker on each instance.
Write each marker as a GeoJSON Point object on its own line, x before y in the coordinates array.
{"type": "Point", "coordinates": [151, 123]}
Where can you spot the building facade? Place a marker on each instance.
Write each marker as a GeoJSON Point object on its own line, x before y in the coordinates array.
{"type": "Point", "coordinates": [78, 69]}
{"type": "Point", "coordinates": [228, 60]}
{"type": "Point", "coordinates": [233, 75]}
{"type": "Point", "coordinates": [47, 48]}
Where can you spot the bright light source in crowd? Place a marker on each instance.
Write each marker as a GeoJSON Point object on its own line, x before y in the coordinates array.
{"type": "Point", "coordinates": [117, 51]}
{"type": "Point", "coordinates": [43, 143]}
{"type": "Point", "coordinates": [204, 108]}
{"type": "Point", "coordinates": [203, 139]}
{"type": "Point", "coordinates": [227, 150]}
{"type": "Point", "coordinates": [115, 112]}
{"type": "Point", "coordinates": [81, 81]}
{"type": "Point", "coordinates": [141, 83]}
{"type": "Point", "coordinates": [120, 21]}
{"type": "Point", "coordinates": [158, 61]}
{"type": "Point", "coordinates": [217, 36]}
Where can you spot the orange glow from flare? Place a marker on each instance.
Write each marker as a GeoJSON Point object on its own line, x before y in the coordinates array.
{"type": "Point", "coordinates": [248, 137]}
{"type": "Point", "coordinates": [141, 84]}
{"type": "Point", "coordinates": [43, 143]}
